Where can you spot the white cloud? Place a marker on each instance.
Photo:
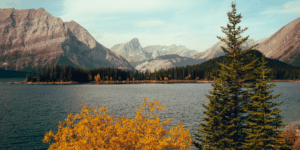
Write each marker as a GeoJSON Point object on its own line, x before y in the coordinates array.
{"type": "Point", "coordinates": [85, 8]}
{"type": "Point", "coordinates": [290, 7]}
{"type": "Point", "coordinates": [150, 23]}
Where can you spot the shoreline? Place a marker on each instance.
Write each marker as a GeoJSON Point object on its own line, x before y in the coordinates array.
{"type": "Point", "coordinates": [127, 82]}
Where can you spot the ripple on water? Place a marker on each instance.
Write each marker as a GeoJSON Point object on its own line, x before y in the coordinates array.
{"type": "Point", "coordinates": [28, 111]}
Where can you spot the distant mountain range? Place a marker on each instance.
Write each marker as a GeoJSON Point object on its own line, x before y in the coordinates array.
{"type": "Point", "coordinates": [132, 51]}
{"type": "Point", "coordinates": [135, 53]}
{"type": "Point", "coordinates": [33, 38]}
{"type": "Point", "coordinates": [284, 45]}
{"type": "Point", "coordinates": [166, 62]}
{"type": "Point", "coordinates": [164, 57]}
{"type": "Point", "coordinates": [158, 50]}
{"type": "Point", "coordinates": [216, 51]}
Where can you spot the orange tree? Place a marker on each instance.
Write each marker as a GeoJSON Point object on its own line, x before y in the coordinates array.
{"type": "Point", "coordinates": [97, 77]}
{"type": "Point", "coordinates": [94, 129]}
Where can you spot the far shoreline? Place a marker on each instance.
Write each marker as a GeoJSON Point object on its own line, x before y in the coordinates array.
{"type": "Point", "coordinates": [127, 82]}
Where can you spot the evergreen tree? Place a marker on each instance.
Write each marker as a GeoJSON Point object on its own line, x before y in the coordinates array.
{"type": "Point", "coordinates": [39, 76]}
{"type": "Point", "coordinates": [264, 119]}
{"type": "Point", "coordinates": [224, 123]}
{"type": "Point", "coordinates": [56, 75]}
{"type": "Point", "coordinates": [33, 75]}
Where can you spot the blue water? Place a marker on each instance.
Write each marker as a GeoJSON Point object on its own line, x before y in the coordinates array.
{"type": "Point", "coordinates": [28, 111]}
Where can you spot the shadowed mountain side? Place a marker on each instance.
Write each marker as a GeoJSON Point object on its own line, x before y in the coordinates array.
{"type": "Point", "coordinates": [33, 38]}
{"type": "Point", "coordinates": [284, 44]}
{"type": "Point", "coordinates": [212, 64]}
{"type": "Point", "coordinates": [166, 62]}
{"type": "Point", "coordinates": [208, 69]}
{"type": "Point", "coordinates": [216, 51]}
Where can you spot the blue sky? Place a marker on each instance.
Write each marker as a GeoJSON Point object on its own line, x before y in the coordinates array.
{"type": "Point", "coordinates": [192, 23]}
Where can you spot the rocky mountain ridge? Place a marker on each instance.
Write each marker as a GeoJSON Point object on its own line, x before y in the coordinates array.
{"type": "Point", "coordinates": [172, 49]}
{"type": "Point", "coordinates": [131, 51]}
{"type": "Point", "coordinates": [166, 62]}
{"type": "Point", "coordinates": [216, 51]}
{"type": "Point", "coordinates": [135, 53]}
{"type": "Point", "coordinates": [33, 38]}
{"type": "Point", "coordinates": [284, 45]}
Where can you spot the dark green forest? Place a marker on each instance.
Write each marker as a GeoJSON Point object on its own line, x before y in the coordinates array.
{"type": "Point", "coordinates": [203, 71]}
{"type": "Point", "coordinates": [12, 74]}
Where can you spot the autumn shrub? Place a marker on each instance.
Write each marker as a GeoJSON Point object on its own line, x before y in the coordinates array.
{"type": "Point", "coordinates": [94, 129]}
{"type": "Point", "coordinates": [97, 78]}
{"type": "Point", "coordinates": [291, 136]}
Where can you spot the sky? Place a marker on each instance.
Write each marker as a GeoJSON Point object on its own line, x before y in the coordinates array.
{"type": "Point", "coordinates": [194, 24]}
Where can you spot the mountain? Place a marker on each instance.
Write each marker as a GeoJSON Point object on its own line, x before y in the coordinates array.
{"type": "Point", "coordinates": [33, 38]}
{"type": "Point", "coordinates": [135, 53]}
{"type": "Point", "coordinates": [131, 51]}
{"type": "Point", "coordinates": [166, 62]}
{"type": "Point", "coordinates": [172, 49]}
{"type": "Point", "coordinates": [284, 45]}
{"type": "Point", "coordinates": [216, 51]}
{"type": "Point", "coordinates": [210, 68]}
{"type": "Point", "coordinates": [155, 54]}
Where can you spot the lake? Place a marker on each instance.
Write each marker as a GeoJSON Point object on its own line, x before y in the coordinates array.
{"type": "Point", "coordinates": [28, 111]}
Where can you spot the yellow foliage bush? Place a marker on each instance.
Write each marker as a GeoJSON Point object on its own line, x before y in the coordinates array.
{"type": "Point", "coordinates": [291, 136]}
{"type": "Point", "coordinates": [94, 129]}
{"type": "Point", "coordinates": [97, 77]}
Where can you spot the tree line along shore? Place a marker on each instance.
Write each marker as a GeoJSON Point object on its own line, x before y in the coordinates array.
{"type": "Point", "coordinates": [204, 72]}
{"type": "Point", "coordinates": [128, 82]}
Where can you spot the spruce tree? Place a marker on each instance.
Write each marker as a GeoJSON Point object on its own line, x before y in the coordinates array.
{"type": "Point", "coordinates": [39, 76]}
{"type": "Point", "coordinates": [225, 120]}
{"type": "Point", "coordinates": [264, 118]}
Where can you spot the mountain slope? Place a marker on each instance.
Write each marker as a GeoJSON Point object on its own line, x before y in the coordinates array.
{"type": "Point", "coordinates": [33, 38]}
{"type": "Point", "coordinates": [136, 54]}
{"type": "Point", "coordinates": [168, 50]}
{"type": "Point", "coordinates": [210, 68]}
{"type": "Point", "coordinates": [284, 45]}
{"type": "Point", "coordinates": [132, 50]}
{"type": "Point", "coordinates": [216, 51]}
{"type": "Point", "coordinates": [166, 62]}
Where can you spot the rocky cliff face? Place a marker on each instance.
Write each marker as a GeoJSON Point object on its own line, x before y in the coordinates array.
{"type": "Point", "coordinates": [166, 62]}
{"type": "Point", "coordinates": [155, 54]}
{"type": "Point", "coordinates": [284, 45]}
{"type": "Point", "coordinates": [34, 38]}
{"type": "Point", "coordinates": [132, 51]}
{"type": "Point", "coordinates": [216, 51]}
{"type": "Point", "coordinates": [172, 49]}
{"type": "Point", "coordinates": [136, 54]}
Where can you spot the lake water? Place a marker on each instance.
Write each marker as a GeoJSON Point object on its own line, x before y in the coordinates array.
{"type": "Point", "coordinates": [28, 111]}
{"type": "Point", "coordinates": [6, 80]}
